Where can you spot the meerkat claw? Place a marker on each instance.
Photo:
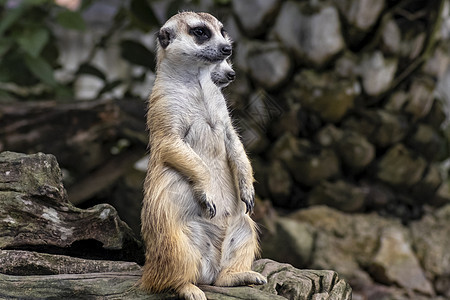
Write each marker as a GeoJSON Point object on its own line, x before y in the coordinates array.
{"type": "Point", "coordinates": [212, 210]}
{"type": "Point", "coordinates": [209, 206]}
{"type": "Point", "coordinates": [249, 205]}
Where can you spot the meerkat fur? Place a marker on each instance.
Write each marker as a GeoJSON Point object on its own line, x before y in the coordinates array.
{"type": "Point", "coordinates": [199, 184]}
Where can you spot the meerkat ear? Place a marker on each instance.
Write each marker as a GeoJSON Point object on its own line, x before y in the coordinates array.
{"type": "Point", "coordinates": [165, 37]}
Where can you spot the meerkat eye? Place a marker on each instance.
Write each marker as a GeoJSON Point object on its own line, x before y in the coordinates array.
{"type": "Point", "coordinates": [202, 33]}
{"type": "Point", "coordinates": [223, 32]}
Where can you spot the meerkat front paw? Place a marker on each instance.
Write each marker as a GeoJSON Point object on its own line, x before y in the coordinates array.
{"type": "Point", "coordinates": [207, 204]}
{"type": "Point", "coordinates": [247, 192]}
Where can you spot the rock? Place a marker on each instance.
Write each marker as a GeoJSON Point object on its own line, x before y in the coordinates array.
{"type": "Point", "coordinates": [355, 151]}
{"type": "Point", "coordinates": [426, 141]}
{"type": "Point", "coordinates": [428, 185]}
{"type": "Point", "coordinates": [313, 34]}
{"type": "Point", "coordinates": [442, 195]}
{"type": "Point", "coordinates": [396, 101]}
{"type": "Point", "coordinates": [421, 97]}
{"type": "Point", "coordinates": [431, 236]}
{"type": "Point", "coordinates": [381, 127]}
{"type": "Point", "coordinates": [391, 127]}
{"type": "Point", "coordinates": [377, 195]}
{"type": "Point", "coordinates": [400, 167]}
{"type": "Point", "coordinates": [361, 14]}
{"type": "Point", "coordinates": [439, 62]}
{"type": "Point", "coordinates": [269, 66]}
{"type": "Point", "coordinates": [412, 42]}
{"type": "Point", "coordinates": [297, 240]}
{"type": "Point", "coordinates": [286, 281]}
{"type": "Point", "coordinates": [36, 214]}
{"type": "Point", "coordinates": [308, 167]}
{"type": "Point", "coordinates": [340, 194]}
{"type": "Point", "coordinates": [395, 263]}
{"type": "Point", "coordinates": [255, 15]}
{"type": "Point", "coordinates": [346, 65]}
{"type": "Point", "coordinates": [280, 184]}
{"type": "Point", "coordinates": [377, 73]}
{"type": "Point", "coordinates": [353, 243]}
{"type": "Point", "coordinates": [390, 37]}
{"type": "Point", "coordinates": [329, 135]}
{"type": "Point", "coordinates": [326, 94]}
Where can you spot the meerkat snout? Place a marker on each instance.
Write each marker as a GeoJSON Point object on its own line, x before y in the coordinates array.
{"type": "Point", "coordinates": [223, 74]}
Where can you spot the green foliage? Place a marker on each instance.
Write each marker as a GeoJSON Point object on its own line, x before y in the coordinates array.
{"type": "Point", "coordinates": [27, 52]}
{"type": "Point", "coordinates": [30, 54]}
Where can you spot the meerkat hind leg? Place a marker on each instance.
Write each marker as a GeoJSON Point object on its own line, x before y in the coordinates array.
{"type": "Point", "coordinates": [239, 250]}
{"type": "Point", "coordinates": [191, 292]}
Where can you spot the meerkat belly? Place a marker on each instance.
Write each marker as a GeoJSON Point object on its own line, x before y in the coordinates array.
{"type": "Point", "coordinates": [208, 140]}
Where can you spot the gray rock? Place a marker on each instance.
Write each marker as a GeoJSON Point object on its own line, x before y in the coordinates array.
{"type": "Point", "coordinates": [424, 191]}
{"type": "Point", "coordinates": [400, 167]}
{"type": "Point", "coordinates": [353, 243]}
{"type": "Point", "coordinates": [381, 127]}
{"type": "Point", "coordinates": [279, 183]}
{"type": "Point", "coordinates": [391, 127]}
{"type": "Point", "coordinates": [355, 151]}
{"type": "Point", "coordinates": [361, 14]}
{"type": "Point", "coordinates": [297, 240]}
{"type": "Point", "coordinates": [413, 41]}
{"type": "Point", "coordinates": [396, 101]}
{"type": "Point", "coordinates": [390, 37]}
{"type": "Point", "coordinates": [431, 236]}
{"type": "Point", "coordinates": [340, 194]}
{"type": "Point", "coordinates": [326, 94]}
{"type": "Point", "coordinates": [421, 97]}
{"type": "Point", "coordinates": [313, 34]}
{"type": "Point", "coordinates": [377, 73]}
{"type": "Point", "coordinates": [307, 167]}
{"type": "Point", "coordinates": [439, 61]}
{"type": "Point", "coordinates": [396, 263]}
{"type": "Point", "coordinates": [255, 15]}
{"type": "Point", "coordinates": [329, 135]}
{"type": "Point", "coordinates": [428, 142]}
{"type": "Point", "coordinates": [269, 66]}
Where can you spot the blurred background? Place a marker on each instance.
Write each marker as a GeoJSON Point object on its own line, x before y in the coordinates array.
{"type": "Point", "coordinates": [343, 106]}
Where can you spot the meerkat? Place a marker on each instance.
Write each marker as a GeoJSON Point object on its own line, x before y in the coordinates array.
{"type": "Point", "coordinates": [198, 192]}
{"type": "Point", "coordinates": [223, 74]}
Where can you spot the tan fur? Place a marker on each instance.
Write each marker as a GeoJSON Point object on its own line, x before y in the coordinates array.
{"type": "Point", "coordinates": [199, 183]}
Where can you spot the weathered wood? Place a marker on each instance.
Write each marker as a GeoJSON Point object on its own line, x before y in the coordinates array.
{"type": "Point", "coordinates": [284, 281]}
{"type": "Point", "coordinates": [292, 283]}
{"type": "Point", "coordinates": [24, 263]}
{"type": "Point", "coordinates": [36, 215]}
{"type": "Point", "coordinates": [81, 135]}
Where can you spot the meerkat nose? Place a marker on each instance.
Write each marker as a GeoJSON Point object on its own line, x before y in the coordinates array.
{"type": "Point", "coordinates": [226, 50]}
{"type": "Point", "coordinates": [231, 75]}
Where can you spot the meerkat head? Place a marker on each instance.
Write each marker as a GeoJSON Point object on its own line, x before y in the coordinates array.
{"type": "Point", "coordinates": [223, 74]}
{"type": "Point", "coordinates": [194, 39]}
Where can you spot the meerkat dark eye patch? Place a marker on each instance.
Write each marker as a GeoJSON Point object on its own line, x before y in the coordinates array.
{"type": "Point", "coordinates": [201, 33]}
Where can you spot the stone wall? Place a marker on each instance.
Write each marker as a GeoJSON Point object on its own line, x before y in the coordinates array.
{"type": "Point", "coordinates": [338, 102]}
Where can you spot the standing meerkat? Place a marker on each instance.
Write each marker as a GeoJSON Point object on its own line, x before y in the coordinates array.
{"type": "Point", "coordinates": [199, 184]}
